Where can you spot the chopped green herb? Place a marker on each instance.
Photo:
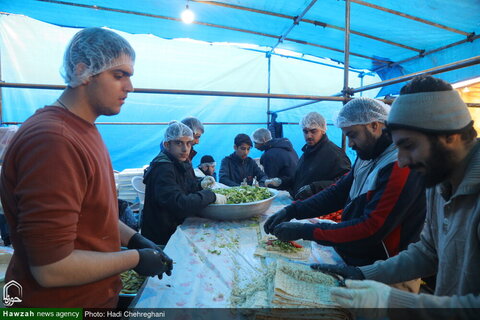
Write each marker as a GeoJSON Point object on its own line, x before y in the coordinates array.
{"type": "Point", "coordinates": [131, 281]}
{"type": "Point", "coordinates": [244, 194]}
{"type": "Point", "coordinates": [217, 252]}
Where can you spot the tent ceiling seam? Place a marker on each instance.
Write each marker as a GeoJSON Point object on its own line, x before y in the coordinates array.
{"type": "Point", "coordinates": [210, 25]}
{"type": "Point", "coordinates": [365, 35]}
{"type": "Point", "coordinates": [314, 22]}
{"type": "Point", "coordinates": [408, 16]}
{"type": "Point", "coordinates": [337, 50]}
{"type": "Point", "coordinates": [472, 37]}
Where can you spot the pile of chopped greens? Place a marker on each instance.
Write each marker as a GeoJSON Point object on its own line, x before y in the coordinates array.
{"type": "Point", "coordinates": [131, 281]}
{"type": "Point", "coordinates": [244, 194]}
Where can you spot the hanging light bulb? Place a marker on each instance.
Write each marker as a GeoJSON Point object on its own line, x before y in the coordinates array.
{"type": "Point", "coordinates": [187, 15]}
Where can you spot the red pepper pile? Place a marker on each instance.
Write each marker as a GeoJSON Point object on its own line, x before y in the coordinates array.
{"type": "Point", "coordinates": [334, 216]}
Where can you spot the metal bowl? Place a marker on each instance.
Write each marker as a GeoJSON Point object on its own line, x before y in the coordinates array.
{"type": "Point", "coordinates": [238, 211]}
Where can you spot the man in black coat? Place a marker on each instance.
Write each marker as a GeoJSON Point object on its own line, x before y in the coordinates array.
{"type": "Point", "coordinates": [279, 160]}
{"type": "Point", "coordinates": [322, 162]}
{"type": "Point", "coordinates": [172, 193]}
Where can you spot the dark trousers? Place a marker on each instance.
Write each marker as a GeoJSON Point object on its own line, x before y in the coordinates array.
{"type": "Point", "coordinates": [4, 231]}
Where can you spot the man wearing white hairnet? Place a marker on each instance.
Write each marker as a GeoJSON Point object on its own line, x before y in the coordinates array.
{"type": "Point", "coordinates": [197, 128]}
{"type": "Point", "coordinates": [172, 192]}
{"type": "Point", "coordinates": [279, 160]}
{"type": "Point", "coordinates": [58, 191]}
{"type": "Point", "coordinates": [322, 161]}
{"type": "Point", "coordinates": [444, 149]}
{"type": "Point", "coordinates": [383, 204]}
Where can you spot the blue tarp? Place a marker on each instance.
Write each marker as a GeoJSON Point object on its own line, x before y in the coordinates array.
{"type": "Point", "coordinates": [381, 30]}
{"type": "Point", "coordinates": [31, 52]}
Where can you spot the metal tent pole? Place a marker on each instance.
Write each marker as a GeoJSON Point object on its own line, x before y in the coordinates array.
{"type": "Point", "coordinates": [269, 57]}
{"type": "Point", "coordinates": [440, 69]}
{"type": "Point", "coordinates": [184, 92]}
{"type": "Point", "coordinates": [346, 91]}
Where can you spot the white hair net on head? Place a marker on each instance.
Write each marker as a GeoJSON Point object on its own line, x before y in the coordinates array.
{"type": "Point", "coordinates": [362, 111]}
{"type": "Point", "coordinates": [92, 51]}
{"type": "Point", "coordinates": [194, 124]}
{"type": "Point", "coordinates": [176, 130]}
{"type": "Point", "coordinates": [313, 120]}
{"type": "Point", "coordinates": [261, 135]}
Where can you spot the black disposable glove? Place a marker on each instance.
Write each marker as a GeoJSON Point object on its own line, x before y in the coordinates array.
{"type": "Point", "coordinates": [287, 231]}
{"type": "Point", "coordinates": [348, 272]}
{"type": "Point", "coordinates": [274, 220]}
{"type": "Point", "coordinates": [304, 192]}
{"type": "Point", "coordinates": [137, 241]}
{"type": "Point", "coordinates": [153, 263]}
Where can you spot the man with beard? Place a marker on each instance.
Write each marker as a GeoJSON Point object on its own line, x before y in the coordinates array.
{"type": "Point", "coordinates": [321, 164]}
{"type": "Point", "coordinates": [383, 204]}
{"type": "Point", "coordinates": [434, 133]}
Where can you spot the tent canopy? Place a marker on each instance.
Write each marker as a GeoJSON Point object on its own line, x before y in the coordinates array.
{"type": "Point", "coordinates": [382, 31]}
{"type": "Point", "coordinates": [283, 46]}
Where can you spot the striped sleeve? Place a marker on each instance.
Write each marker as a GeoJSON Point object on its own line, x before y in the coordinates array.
{"type": "Point", "coordinates": [382, 212]}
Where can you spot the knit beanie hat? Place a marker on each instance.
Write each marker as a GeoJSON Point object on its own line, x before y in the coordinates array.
{"type": "Point", "coordinates": [435, 112]}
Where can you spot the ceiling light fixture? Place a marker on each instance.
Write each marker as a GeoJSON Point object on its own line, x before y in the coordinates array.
{"type": "Point", "coordinates": [187, 15]}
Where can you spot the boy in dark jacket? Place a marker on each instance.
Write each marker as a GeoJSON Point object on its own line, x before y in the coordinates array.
{"type": "Point", "coordinates": [172, 193]}
{"type": "Point", "coordinates": [238, 166]}
{"type": "Point", "coordinates": [279, 159]}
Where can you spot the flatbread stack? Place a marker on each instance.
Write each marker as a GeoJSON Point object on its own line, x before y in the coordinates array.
{"type": "Point", "coordinates": [289, 290]}
{"type": "Point", "coordinates": [298, 286]}
{"type": "Point", "coordinates": [264, 249]}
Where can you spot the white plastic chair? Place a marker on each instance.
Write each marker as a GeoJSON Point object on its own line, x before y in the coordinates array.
{"type": "Point", "coordinates": [139, 187]}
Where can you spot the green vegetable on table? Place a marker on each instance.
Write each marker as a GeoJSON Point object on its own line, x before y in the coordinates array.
{"type": "Point", "coordinates": [244, 194]}
{"type": "Point", "coordinates": [131, 281]}
{"type": "Point", "coordinates": [215, 251]}
{"type": "Point", "coordinates": [284, 246]}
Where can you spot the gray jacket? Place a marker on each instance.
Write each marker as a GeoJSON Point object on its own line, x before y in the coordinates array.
{"type": "Point", "coordinates": [449, 246]}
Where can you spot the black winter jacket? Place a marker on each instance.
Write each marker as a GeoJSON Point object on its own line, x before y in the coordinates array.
{"type": "Point", "coordinates": [234, 169]}
{"type": "Point", "coordinates": [319, 166]}
{"type": "Point", "coordinates": [279, 159]}
{"type": "Point", "coordinates": [172, 193]}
